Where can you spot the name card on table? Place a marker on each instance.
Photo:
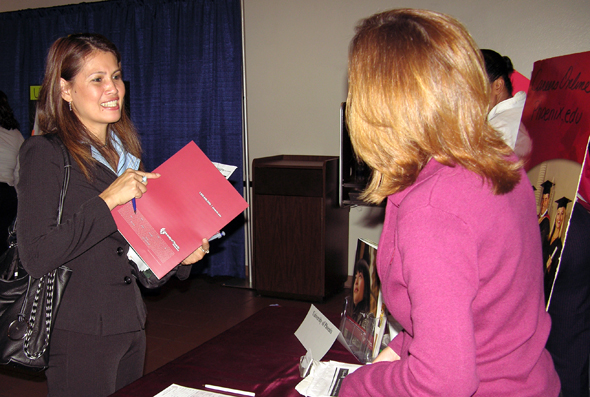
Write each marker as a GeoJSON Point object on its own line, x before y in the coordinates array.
{"type": "Point", "coordinates": [316, 333]}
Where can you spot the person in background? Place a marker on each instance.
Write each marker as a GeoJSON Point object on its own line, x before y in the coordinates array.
{"type": "Point", "coordinates": [361, 291]}
{"type": "Point", "coordinates": [569, 307]}
{"type": "Point", "coordinates": [10, 141]}
{"type": "Point", "coordinates": [554, 245]}
{"type": "Point", "coordinates": [543, 216]}
{"type": "Point", "coordinates": [506, 108]}
{"type": "Point", "coordinates": [98, 341]}
{"type": "Point", "coordinates": [545, 219]}
{"type": "Point", "coordinates": [459, 256]}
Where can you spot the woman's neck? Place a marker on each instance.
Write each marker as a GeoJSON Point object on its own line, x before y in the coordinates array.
{"type": "Point", "coordinates": [556, 234]}
{"type": "Point", "coordinates": [100, 136]}
{"type": "Point", "coordinates": [501, 97]}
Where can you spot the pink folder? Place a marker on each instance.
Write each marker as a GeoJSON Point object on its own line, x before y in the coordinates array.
{"type": "Point", "coordinates": [190, 201]}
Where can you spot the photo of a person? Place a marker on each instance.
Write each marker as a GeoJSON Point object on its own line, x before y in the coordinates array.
{"type": "Point", "coordinates": [569, 339]}
{"type": "Point", "coordinates": [543, 215]}
{"type": "Point", "coordinates": [361, 291]}
{"type": "Point", "coordinates": [552, 252]}
{"type": "Point", "coordinates": [375, 290]}
{"type": "Point", "coordinates": [358, 322]}
{"type": "Point", "coordinates": [544, 219]}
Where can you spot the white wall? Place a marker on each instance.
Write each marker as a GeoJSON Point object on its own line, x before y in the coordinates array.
{"type": "Point", "coordinates": [296, 54]}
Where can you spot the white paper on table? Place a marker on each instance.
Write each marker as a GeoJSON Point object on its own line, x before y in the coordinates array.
{"type": "Point", "coordinates": [175, 390]}
{"type": "Point", "coordinates": [325, 379]}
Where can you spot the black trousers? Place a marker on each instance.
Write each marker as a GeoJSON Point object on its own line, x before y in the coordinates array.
{"type": "Point", "coordinates": [8, 203]}
{"type": "Point", "coordinates": [569, 339]}
{"type": "Point", "coordinates": [92, 365]}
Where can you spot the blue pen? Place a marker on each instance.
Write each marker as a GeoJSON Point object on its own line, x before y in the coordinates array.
{"type": "Point", "coordinates": [217, 235]}
{"type": "Point", "coordinates": [134, 205]}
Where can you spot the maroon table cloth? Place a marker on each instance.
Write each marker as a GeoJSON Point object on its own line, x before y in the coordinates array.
{"type": "Point", "coordinates": [261, 355]}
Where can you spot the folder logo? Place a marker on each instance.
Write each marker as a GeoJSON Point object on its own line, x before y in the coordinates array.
{"type": "Point", "coordinates": [163, 231]}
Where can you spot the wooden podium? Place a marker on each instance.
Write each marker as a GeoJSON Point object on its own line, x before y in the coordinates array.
{"type": "Point", "coordinates": [300, 234]}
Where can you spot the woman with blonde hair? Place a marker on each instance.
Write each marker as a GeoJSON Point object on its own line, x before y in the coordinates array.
{"type": "Point", "coordinates": [459, 256]}
{"type": "Point", "coordinates": [552, 252]}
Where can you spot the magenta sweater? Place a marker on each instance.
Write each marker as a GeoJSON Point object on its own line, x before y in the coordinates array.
{"type": "Point", "coordinates": [461, 270]}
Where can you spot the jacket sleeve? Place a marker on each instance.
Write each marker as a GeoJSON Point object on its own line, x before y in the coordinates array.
{"type": "Point", "coordinates": [150, 281]}
{"type": "Point", "coordinates": [439, 266]}
{"type": "Point", "coordinates": [43, 244]}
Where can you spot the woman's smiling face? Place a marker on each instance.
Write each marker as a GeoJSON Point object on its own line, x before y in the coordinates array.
{"type": "Point", "coordinates": [96, 92]}
{"type": "Point", "coordinates": [559, 218]}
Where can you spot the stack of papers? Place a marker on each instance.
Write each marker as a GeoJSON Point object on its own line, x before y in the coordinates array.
{"type": "Point", "coordinates": [325, 378]}
{"type": "Point", "coordinates": [317, 334]}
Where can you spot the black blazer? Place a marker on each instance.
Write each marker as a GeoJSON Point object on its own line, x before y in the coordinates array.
{"type": "Point", "coordinates": [102, 297]}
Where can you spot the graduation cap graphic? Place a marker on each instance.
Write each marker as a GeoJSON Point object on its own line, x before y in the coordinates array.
{"type": "Point", "coordinates": [562, 202]}
{"type": "Point", "coordinates": [547, 185]}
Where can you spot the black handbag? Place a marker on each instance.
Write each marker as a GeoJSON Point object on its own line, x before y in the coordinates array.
{"type": "Point", "coordinates": [28, 305]}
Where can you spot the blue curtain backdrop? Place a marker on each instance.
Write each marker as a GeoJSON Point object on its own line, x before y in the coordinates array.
{"type": "Point", "coordinates": [182, 60]}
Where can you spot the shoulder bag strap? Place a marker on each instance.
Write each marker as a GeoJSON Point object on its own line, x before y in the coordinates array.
{"type": "Point", "coordinates": [66, 181]}
{"type": "Point", "coordinates": [48, 279]}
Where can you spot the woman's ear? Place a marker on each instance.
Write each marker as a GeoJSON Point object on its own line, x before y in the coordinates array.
{"type": "Point", "coordinates": [65, 90]}
{"type": "Point", "coordinates": [498, 86]}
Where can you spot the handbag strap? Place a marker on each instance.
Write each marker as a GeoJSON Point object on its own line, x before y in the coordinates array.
{"type": "Point", "coordinates": [66, 181]}
{"type": "Point", "coordinates": [50, 277]}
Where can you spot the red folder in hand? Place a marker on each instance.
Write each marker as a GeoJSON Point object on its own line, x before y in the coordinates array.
{"type": "Point", "coordinates": [191, 200]}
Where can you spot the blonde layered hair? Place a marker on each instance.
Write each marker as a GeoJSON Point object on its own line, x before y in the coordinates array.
{"type": "Point", "coordinates": [418, 90]}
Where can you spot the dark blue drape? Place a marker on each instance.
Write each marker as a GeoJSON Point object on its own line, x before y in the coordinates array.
{"type": "Point", "coordinates": [182, 60]}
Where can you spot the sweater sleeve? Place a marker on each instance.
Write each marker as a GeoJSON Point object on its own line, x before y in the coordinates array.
{"type": "Point", "coordinates": [43, 244]}
{"type": "Point", "coordinates": [438, 256]}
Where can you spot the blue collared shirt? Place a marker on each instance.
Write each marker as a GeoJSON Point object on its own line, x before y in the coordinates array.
{"type": "Point", "coordinates": [126, 160]}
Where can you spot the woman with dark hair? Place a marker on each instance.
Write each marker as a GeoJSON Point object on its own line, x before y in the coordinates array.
{"type": "Point", "coordinates": [361, 291]}
{"type": "Point", "coordinates": [466, 287]}
{"type": "Point", "coordinates": [98, 340]}
{"type": "Point", "coordinates": [10, 141]}
{"type": "Point", "coordinates": [506, 108]}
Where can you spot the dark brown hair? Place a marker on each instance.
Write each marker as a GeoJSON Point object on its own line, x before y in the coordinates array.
{"type": "Point", "coordinates": [498, 66]}
{"type": "Point", "coordinates": [65, 60]}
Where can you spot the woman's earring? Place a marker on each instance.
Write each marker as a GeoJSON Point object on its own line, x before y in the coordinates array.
{"type": "Point", "coordinates": [70, 104]}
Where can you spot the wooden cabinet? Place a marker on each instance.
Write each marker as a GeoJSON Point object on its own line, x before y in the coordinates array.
{"type": "Point", "coordinates": [300, 234]}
